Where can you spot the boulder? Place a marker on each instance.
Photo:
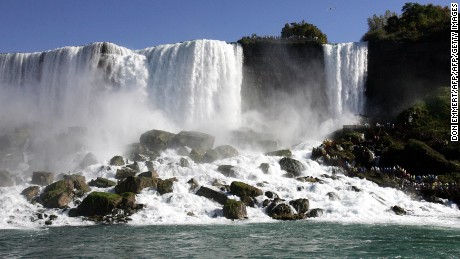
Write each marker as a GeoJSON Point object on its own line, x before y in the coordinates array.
{"type": "Point", "coordinates": [271, 195]}
{"type": "Point", "coordinates": [150, 174]}
{"type": "Point", "coordinates": [117, 161]}
{"type": "Point", "coordinates": [102, 183]}
{"type": "Point", "coordinates": [292, 166]}
{"type": "Point", "coordinates": [42, 178]}
{"type": "Point", "coordinates": [234, 209]}
{"type": "Point", "coordinates": [210, 156]}
{"type": "Point", "coordinates": [244, 190]}
{"type": "Point", "coordinates": [193, 183]}
{"type": "Point", "coordinates": [30, 192]}
{"type": "Point", "coordinates": [301, 205]}
{"type": "Point", "coordinates": [156, 140]}
{"type": "Point", "coordinates": [264, 167]}
{"type": "Point", "coordinates": [196, 155]}
{"type": "Point", "coordinates": [227, 170]}
{"type": "Point", "coordinates": [5, 179]}
{"type": "Point", "coordinates": [140, 152]}
{"type": "Point", "coordinates": [149, 165]}
{"type": "Point", "coordinates": [134, 166]}
{"type": "Point", "coordinates": [282, 152]}
{"type": "Point", "coordinates": [58, 194]}
{"type": "Point", "coordinates": [282, 211]}
{"type": "Point", "coordinates": [98, 203]}
{"type": "Point", "coordinates": [184, 162]}
{"type": "Point", "coordinates": [226, 151]}
{"type": "Point", "coordinates": [212, 195]}
{"type": "Point", "coordinates": [135, 184]}
{"type": "Point", "coordinates": [79, 182]}
{"type": "Point", "coordinates": [309, 179]}
{"type": "Point", "coordinates": [165, 186]}
{"type": "Point", "coordinates": [314, 213]}
{"type": "Point", "coordinates": [193, 139]}
{"type": "Point", "coordinates": [333, 196]}
{"type": "Point", "coordinates": [398, 210]}
{"type": "Point", "coordinates": [128, 200]}
{"type": "Point", "coordinates": [124, 172]}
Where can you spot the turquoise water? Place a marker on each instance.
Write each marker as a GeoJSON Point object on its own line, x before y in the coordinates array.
{"type": "Point", "coordinates": [302, 239]}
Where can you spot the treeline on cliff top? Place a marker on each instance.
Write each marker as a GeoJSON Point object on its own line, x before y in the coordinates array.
{"type": "Point", "coordinates": [416, 23]}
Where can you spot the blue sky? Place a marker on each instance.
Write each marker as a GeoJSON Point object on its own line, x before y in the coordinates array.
{"type": "Point", "coordinates": [33, 25]}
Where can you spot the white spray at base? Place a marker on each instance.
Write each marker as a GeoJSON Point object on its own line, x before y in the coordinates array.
{"type": "Point", "coordinates": [369, 206]}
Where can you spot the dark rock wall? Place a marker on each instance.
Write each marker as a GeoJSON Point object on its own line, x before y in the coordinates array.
{"type": "Point", "coordinates": [279, 73]}
{"type": "Point", "coordinates": [399, 73]}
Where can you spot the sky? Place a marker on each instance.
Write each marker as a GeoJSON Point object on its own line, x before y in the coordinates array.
{"type": "Point", "coordinates": [39, 25]}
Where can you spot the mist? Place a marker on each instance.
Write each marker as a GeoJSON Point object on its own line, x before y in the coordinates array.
{"type": "Point", "coordinates": [67, 108]}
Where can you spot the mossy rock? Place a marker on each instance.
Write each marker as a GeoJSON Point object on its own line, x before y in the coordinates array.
{"type": "Point", "coordinates": [135, 184]}
{"type": "Point", "coordinates": [156, 140]}
{"type": "Point", "coordinates": [282, 152]}
{"type": "Point", "coordinates": [99, 203]}
{"type": "Point", "coordinates": [244, 190]}
{"type": "Point", "coordinates": [165, 186]}
{"type": "Point", "coordinates": [212, 194]}
{"type": "Point", "coordinates": [291, 166]}
{"type": "Point", "coordinates": [235, 209]}
{"type": "Point", "coordinates": [58, 194]}
{"type": "Point", "coordinates": [102, 183]}
{"type": "Point", "coordinates": [117, 161]}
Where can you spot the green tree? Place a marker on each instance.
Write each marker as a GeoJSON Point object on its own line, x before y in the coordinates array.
{"type": "Point", "coordinates": [303, 30]}
{"type": "Point", "coordinates": [417, 22]}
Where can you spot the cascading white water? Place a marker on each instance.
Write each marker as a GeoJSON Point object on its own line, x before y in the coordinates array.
{"type": "Point", "coordinates": [196, 81]}
{"type": "Point", "coordinates": [117, 93]}
{"type": "Point", "coordinates": [346, 72]}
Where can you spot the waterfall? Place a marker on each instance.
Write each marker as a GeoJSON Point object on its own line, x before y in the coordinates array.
{"type": "Point", "coordinates": [115, 93]}
{"type": "Point", "coordinates": [346, 71]}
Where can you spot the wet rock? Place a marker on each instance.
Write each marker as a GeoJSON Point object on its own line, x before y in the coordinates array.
{"type": "Point", "coordinates": [150, 174]}
{"type": "Point", "coordinates": [6, 179]}
{"type": "Point", "coordinates": [184, 162]}
{"type": "Point", "coordinates": [165, 186]}
{"type": "Point", "coordinates": [314, 213]}
{"type": "Point", "coordinates": [212, 194]}
{"type": "Point", "coordinates": [210, 156]}
{"type": "Point", "coordinates": [128, 201]}
{"type": "Point", "coordinates": [244, 190]}
{"type": "Point", "coordinates": [227, 170]}
{"type": "Point", "coordinates": [102, 183]}
{"type": "Point", "coordinates": [149, 165]}
{"type": "Point", "coordinates": [197, 156]}
{"type": "Point", "coordinates": [234, 209]}
{"type": "Point", "coordinates": [309, 179]}
{"type": "Point", "coordinates": [58, 194]}
{"type": "Point", "coordinates": [271, 195]}
{"type": "Point", "coordinates": [226, 151]}
{"type": "Point", "coordinates": [333, 196]}
{"type": "Point", "coordinates": [282, 152]}
{"type": "Point", "coordinates": [124, 173]}
{"type": "Point", "coordinates": [140, 152]}
{"type": "Point", "coordinates": [98, 203]}
{"type": "Point", "coordinates": [193, 183]}
{"type": "Point", "coordinates": [398, 210]}
{"type": "Point", "coordinates": [194, 140]}
{"type": "Point", "coordinates": [264, 167]}
{"type": "Point", "coordinates": [183, 151]}
{"type": "Point", "coordinates": [117, 161]}
{"type": "Point", "coordinates": [292, 166]}
{"type": "Point", "coordinates": [134, 166]}
{"type": "Point", "coordinates": [355, 189]}
{"type": "Point", "coordinates": [301, 205]}
{"type": "Point", "coordinates": [30, 192]}
{"type": "Point", "coordinates": [135, 184]}
{"type": "Point", "coordinates": [281, 211]}
{"type": "Point", "coordinates": [79, 182]}
{"type": "Point", "coordinates": [156, 140]}
{"type": "Point", "coordinates": [42, 178]}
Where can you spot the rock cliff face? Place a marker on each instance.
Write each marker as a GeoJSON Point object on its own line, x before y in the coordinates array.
{"type": "Point", "coordinates": [274, 72]}
{"type": "Point", "coordinates": [398, 74]}
{"type": "Point", "coordinates": [401, 72]}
